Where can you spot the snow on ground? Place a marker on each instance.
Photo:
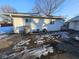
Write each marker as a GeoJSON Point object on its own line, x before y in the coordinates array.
{"type": "Point", "coordinates": [38, 52]}
{"type": "Point", "coordinates": [2, 36]}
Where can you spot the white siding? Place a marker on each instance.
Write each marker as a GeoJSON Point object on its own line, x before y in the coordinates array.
{"type": "Point", "coordinates": [71, 25]}
{"type": "Point", "coordinates": [37, 23]}
{"type": "Point", "coordinates": [77, 26]}
{"type": "Point", "coordinates": [74, 26]}
{"type": "Point", "coordinates": [50, 27]}
{"type": "Point", "coordinates": [18, 22]}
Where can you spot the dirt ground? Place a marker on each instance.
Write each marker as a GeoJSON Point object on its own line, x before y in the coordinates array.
{"type": "Point", "coordinates": [7, 43]}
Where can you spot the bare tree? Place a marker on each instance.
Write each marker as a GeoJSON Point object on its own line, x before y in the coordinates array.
{"type": "Point", "coordinates": [7, 9]}
{"type": "Point", "coordinates": [47, 7]}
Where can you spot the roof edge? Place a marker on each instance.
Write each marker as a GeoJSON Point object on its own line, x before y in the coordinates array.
{"type": "Point", "coordinates": [31, 15]}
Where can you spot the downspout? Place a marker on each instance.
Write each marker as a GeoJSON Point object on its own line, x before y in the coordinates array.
{"type": "Point", "coordinates": [12, 21]}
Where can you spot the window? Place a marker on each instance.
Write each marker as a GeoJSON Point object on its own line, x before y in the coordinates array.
{"type": "Point", "coordinates": [51, 22]}
{"type": "Point", "coordinates": [28, 20]}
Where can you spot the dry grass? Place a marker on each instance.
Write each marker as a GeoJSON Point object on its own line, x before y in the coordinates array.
{"type": "Point", "coordinates": [8, 42]}
{"type": "Point", "coordinates": [5, 44]}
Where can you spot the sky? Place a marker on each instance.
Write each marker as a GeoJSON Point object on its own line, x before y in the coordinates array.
{"type": "Point", "coordinates": [68, 9]}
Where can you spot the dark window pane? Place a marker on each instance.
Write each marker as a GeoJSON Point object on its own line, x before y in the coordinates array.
{"type": "Point", "coordinates": [52, 22]}
{"type": "Point", "coordinates": [27, 20]}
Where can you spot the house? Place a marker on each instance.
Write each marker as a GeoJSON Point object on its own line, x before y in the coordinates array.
{"type": "Point", "coordinates": [74, 23]}
{"type": "Point", "coordinates": [33, 22]}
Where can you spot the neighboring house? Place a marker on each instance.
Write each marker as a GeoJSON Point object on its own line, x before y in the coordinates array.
{"type": "Point", "coordinates": [5, 27]}
{"type": "Point", "coordinates": [33, 22]}
{"type": "Point", "coordinates": [74, 23]}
